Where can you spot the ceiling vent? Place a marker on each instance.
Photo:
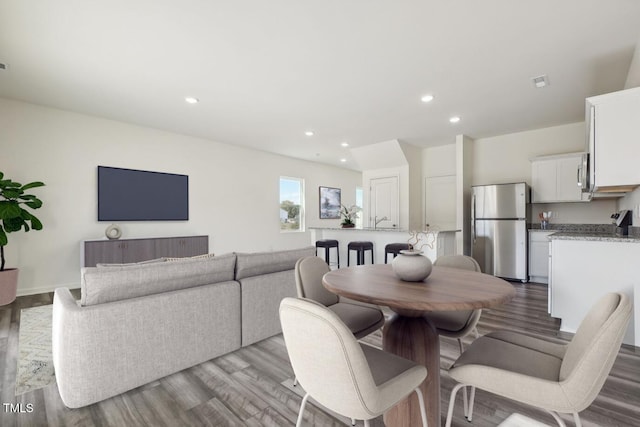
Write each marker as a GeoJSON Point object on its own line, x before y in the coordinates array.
{"type": "Point", "coordinates": [540, 81]}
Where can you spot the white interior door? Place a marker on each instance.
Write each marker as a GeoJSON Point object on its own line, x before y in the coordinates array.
{"type": "Point", "coordinates": [384, 202]}
{"type": "Point", "coordinates": [440, 202]}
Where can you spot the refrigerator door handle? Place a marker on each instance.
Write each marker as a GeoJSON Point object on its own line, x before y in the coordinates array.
{"type": "Point", "coordinates": [473, 218]}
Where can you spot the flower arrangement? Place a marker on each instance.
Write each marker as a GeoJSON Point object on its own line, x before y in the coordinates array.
{"type": "Point", "coordinates": [349, 215]}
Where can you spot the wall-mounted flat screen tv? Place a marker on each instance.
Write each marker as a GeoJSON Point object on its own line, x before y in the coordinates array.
{"type": "Point", "coordinates": [135, 195]}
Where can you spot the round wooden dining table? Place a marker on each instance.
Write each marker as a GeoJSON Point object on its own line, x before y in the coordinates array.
{"type": "Point", "coordinates": [408, 333]}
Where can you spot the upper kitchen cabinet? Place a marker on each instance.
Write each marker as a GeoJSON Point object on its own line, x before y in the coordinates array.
{"type": "Point", "coordinates": [556, 178]}
{"type": "Point", "coordinates": [613, 123]}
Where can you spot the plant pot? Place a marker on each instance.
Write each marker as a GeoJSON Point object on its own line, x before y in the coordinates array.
{"type": "Point", "coordinates": [8, 285]}
{"type": "Point", "coordinates": [412, 266]}
{"type": "Point", "coordinates": [348, 225]}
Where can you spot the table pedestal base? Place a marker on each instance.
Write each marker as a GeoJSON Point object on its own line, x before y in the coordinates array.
{"type": "Point", "coordinates": [416, 339]}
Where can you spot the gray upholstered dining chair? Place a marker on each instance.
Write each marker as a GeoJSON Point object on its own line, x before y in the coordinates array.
{"type": "Point", "coordinates": [352, 379]}
{"type": "Point", "coordinates": [360, 318]}
{"type": "Point", "coordinates": [456, 324]}
{"type": "Point", "coordinates": [558, 378]}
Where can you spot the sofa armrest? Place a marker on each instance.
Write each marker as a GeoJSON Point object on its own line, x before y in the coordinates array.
{"type": "Point", "coordinates": [106, 349]}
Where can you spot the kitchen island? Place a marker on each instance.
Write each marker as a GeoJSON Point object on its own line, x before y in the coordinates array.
{"type": "Point", "coordinates": [442, 242]}
{"type": "Point", "coordinates": [585, 266]}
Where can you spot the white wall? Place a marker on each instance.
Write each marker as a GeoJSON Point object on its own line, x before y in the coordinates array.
{"type": "Point", "coordinates": [506, 158]}
{"type": "Point", "coordinates": [413, 155]}
{"type": "Point", "coordinates": [439, 161]}
{"type": "Point", "coordinates": [632, 201]}
{"type": "Point", "coordinates": [234, 192]}
{"type": "Point", "coordinates": [633, 76]}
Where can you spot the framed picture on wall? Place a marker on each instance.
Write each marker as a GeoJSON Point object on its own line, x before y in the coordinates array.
{"type": "Point", "coordinates": [329, 203]}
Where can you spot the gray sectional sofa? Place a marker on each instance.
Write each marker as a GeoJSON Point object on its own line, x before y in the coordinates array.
{"type": "Point", "coordinates": [137, 323]}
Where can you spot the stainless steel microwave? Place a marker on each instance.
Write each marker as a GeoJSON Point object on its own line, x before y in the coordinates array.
{"type": "Point", "coordinates": [584, 170]}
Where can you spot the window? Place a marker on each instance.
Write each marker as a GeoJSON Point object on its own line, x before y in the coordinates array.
{"type": "Point", "coordinates": [291, 204]}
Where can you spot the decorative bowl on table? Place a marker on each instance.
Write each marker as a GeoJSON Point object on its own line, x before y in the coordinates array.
{"type": "Point", "coordinates": [412, 266]}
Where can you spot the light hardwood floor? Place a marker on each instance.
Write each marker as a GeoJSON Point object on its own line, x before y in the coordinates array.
{"type": "Point", "coordinates": [252, 386]}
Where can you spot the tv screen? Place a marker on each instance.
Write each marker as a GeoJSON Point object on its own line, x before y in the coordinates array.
{"type": "Point", "coordinates": [135, 195]}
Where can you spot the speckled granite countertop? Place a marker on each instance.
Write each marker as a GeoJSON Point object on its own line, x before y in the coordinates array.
{"type": "Point", "coordinates": [592, 232]}
{"type": "Point", "coordinates": [397, 230]}
{"type": "Point", "coordinates": [598, 237]}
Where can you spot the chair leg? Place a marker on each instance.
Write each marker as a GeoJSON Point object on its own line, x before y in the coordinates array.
{"type": "Point", "coordinates": [452, 401]}
{"type": "Point", "coordinates": [295, 381]}
{"type": "Point", "coordinates": [366, 423]}
{"type": "Point", "coordinates": [471, 401]}
{"type": "Point", "coordinates": [576, 419]}
{"type": "Point", "coordinates": [423, 411]}
{"type": "Point", "coordinates": [557, 418]}
{"type": "Point", "coordinates": [353, 422]}
{"type": "Point", "coordinates": [460, 344]}
{"type": "Point", "coordinates": [465, 402]}
{"type": "Point", "coordinates": [302, 405]}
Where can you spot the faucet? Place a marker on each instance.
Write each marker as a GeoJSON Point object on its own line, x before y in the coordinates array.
{"type": "Point", "coordinates": [378, 221]}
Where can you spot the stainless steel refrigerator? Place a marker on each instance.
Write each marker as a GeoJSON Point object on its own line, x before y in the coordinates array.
{"type": "Point", "coordinates": [499, 217]}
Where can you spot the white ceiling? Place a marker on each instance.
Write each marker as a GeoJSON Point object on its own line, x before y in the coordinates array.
{"type": "Point", "coordinates": [350, 70]}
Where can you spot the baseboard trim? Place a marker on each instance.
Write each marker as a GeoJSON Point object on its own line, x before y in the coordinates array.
{"type": "Point", "coordinates": [45, 289]}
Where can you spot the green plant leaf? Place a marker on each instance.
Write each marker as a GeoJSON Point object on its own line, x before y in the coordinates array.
{"type": "Point", "coordinates": [34, 204]}
{"type": "Point", "coordinates": [27, 197]}
{"type": "Point", "coordinates": [1, 176]}
{"type": "Point", "coordinates": [9, 210]}
{"type": "Point", "coordinates": [13, 224]}
{"type": "Point", "coordinates": [35, 223]}
{"type": "Point", "coordinates": [3, 237]}
{"type": "Point", "coordinates": [11, 193]}
{"type": "Point", "coordinates": [33, 185]}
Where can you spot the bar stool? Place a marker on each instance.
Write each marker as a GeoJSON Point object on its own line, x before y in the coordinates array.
{"type": "Point", "coordinates": [360, 247]}
{"type": "Point", "coordinates": [328, 244]}
{"type": "Point", "coordinates": [395, 248]}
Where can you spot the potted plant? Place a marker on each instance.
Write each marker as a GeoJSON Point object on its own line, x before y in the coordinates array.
{"type": "Point", "coordinates": [14, 216]}
{"type": "Point", "coordinates": [349, 215]}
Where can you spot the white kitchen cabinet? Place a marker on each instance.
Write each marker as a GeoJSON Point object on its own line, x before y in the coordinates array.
{"type": "Point", "coordinates": [539, 256]}
{"type": "Point", "coordinates": [614, 131]}
{"type": "Point", "coordinates": [555, 178]}
{"type": "Point", "coordinates": [582, 271]}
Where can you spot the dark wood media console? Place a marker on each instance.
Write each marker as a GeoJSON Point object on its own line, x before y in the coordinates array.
{"type": "Point", "coordinates": [136, 250]}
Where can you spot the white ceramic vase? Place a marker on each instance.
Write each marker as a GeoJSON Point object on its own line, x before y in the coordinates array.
{"type": "Point", "coordinates": [411, 266]}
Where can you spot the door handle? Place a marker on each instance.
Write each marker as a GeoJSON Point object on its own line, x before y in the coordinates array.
{"type": "Point", "coordinates": [473, 218]}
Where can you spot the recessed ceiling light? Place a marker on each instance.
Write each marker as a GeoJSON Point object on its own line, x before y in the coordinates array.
{"type": "Point", "coordinates": [343, 160]}
{"type": "Point", "coordinates": [309, 133]}
{"type": "Point", "coordinates": [540, 81]}
{"type": "Point", "coordinates": [427, 98]}
{"type": "Point", "coordinates": [345, 144]}
{"type": "Point", "coordinates": [454, 119]}
{"type": "Point", "coordinates": [191, 100]}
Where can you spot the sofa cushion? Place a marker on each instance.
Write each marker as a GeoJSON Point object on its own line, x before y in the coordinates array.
{"type": "Point", "coordinates": [255, 264]}
{"type": "Point", "coordinates": [187, 258]}
{"type": "Point", "coordinates": [102, 285]}
{"type": "Point", "coordinates": [129, 264]}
